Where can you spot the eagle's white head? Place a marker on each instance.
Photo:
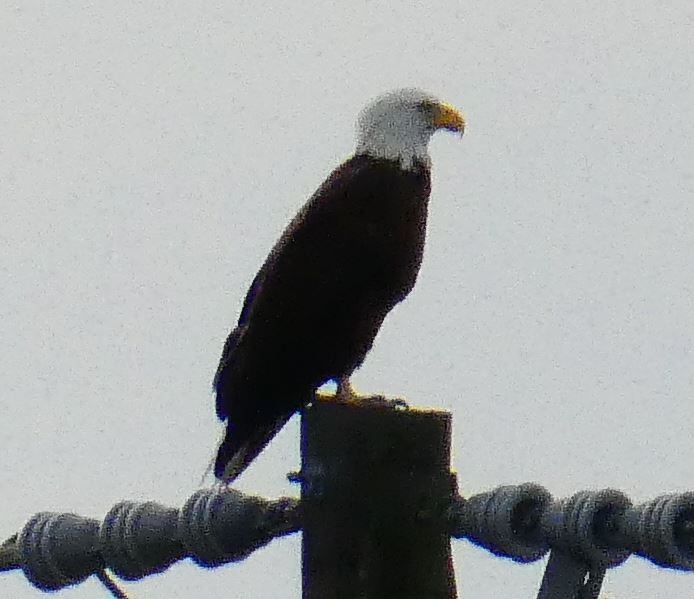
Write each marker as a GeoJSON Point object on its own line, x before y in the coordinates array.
{"type": "Point", "coordinates": [399, 124]}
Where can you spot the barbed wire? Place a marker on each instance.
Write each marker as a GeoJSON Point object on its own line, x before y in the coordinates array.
{"type": "Point", "coordinates": [221, 525]}
{"type": "Point", "coordinates": [523, 522]}
{"type": "Point", "coordinates": [215, 526]}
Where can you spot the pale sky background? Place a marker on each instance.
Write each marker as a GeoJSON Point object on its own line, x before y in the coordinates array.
{"type": "Point", "coordinates": [151, 153]}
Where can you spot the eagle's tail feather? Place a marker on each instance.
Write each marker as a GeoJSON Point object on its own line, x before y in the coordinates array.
{"type": "Point", "coordinates": [238, 450]}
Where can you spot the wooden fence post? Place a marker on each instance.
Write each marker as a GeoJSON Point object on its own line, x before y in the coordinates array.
{"type": "Point", "coordinates": [376, 486]}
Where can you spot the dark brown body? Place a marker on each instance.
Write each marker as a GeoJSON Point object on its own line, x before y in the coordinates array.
{"type": "Point", "coordinates": [316, 305]}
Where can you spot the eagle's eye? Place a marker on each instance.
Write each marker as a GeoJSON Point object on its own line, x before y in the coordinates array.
{"type": "Point", "coordinates": [428, 109]}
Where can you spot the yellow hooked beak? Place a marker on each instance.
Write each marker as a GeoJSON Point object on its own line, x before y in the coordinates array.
{"type": "Point", "coordinates": [447, 117]}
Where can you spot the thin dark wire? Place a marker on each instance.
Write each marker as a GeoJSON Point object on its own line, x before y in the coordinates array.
{"type": "Point", "coordinates": [111, 585]}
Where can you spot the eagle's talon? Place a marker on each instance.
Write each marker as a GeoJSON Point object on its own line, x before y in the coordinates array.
{"type": "Point", "coordinates": [345, 392]}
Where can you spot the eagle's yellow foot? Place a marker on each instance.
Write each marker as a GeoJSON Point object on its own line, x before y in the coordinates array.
{"type": "Point", "coordinates": [345, 391]}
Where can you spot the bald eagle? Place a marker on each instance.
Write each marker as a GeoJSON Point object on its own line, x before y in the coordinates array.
{"type": "Point", "coordinates": [350, 254]}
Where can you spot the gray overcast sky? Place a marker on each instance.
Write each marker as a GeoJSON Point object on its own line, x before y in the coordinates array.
{"type": "Point", "coordinates": [151, 153]}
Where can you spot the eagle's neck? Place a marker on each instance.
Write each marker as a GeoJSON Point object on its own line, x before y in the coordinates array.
{"type": "Point", "coordinates": [409, 151]}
